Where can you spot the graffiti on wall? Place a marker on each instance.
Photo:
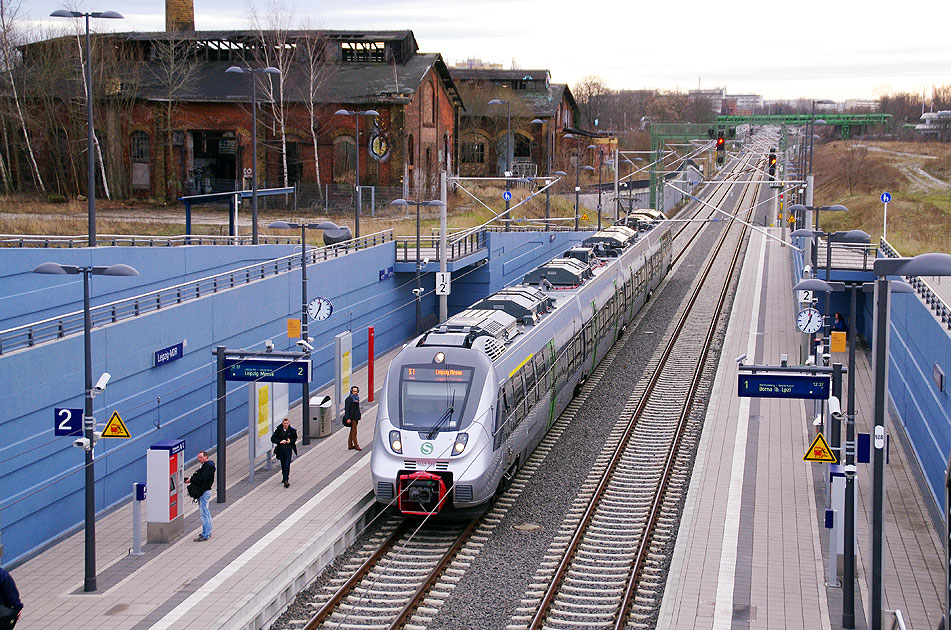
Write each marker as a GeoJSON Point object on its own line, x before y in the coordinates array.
{"type": "Point", "coordinates": [380, 140]}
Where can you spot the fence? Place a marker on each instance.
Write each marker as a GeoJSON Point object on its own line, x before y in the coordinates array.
{"type": "Point", "coordinates": [924, 290]}
{"type": "Point", "coordinates": [69, 323]}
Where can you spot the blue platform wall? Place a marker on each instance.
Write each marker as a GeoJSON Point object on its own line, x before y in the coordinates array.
{"type": "Point", "coordinates": [26, 299]}
{"type": "Point", "coordinates": [917, 344]}
{"type": "Point", "coordinates": [41, 475]}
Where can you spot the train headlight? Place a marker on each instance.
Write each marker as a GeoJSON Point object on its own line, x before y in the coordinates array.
{"type": "Point", "coordinates": [461, 440]}
{"type": "Point", "coordinates": [439, 358]}
{"type": "Point", "coordinates": [395, 443]}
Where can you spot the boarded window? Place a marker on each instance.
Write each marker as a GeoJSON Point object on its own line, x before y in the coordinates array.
{"type": "Point", "coordinates": [473, 152]}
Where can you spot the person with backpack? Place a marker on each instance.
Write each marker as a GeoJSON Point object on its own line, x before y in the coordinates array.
{"type": "Point", "coordinates": [203, 479]}
{"type": "Point", "coordinates": [10, 605]}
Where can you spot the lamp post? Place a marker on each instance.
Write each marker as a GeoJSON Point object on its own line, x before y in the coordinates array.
{"type": "Point", "coordinates": [548, 197]}
{"type": "Point", "coordinates": [254, 141]}
{"type": "Point", "coordinates": [931, 264]}
{"type": "Point", "coordinates": [548, 142]}
{"type": "Point", "coordinates": [90, 137]}
{"type": "Point", "coordinates": [305, 386]}
{"type": "Point", "coordinates": [89, 422]}
{"type": "Point", "coordinates": [508, 152]}
{"type": "Point", "coordinates": [848, 562]}
{"type": "Point", "coordinates": [358, 193]}
{"type": "Point", "coordinates": [600, 160]}
{"type": "Point", "coordinates": [418, 291]}
{"type": "Point", "coordinates": [578, 169]}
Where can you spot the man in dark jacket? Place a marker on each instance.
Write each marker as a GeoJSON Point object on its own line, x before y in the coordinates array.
{"type": "Point", "coordinates": [204, 478]}
{"type": "Point", "coordinates": [9, 597]}
{"type": "Point", "coordinates": [351, 416]}
{"type": "Point", "coordinates": [284, 439]}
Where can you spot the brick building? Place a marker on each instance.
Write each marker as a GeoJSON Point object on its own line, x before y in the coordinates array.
{"type": "Point", "coordinates": [483, 128]}
{"type": "Point", "coordinates": [188, 127]}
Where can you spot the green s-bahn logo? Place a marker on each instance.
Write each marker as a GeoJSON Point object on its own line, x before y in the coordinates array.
{"type": "Point", "coordinates": [426, 448]}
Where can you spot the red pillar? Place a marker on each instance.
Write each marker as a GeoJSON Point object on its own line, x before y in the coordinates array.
{"type": "Point", "coordinates": [370, 362]}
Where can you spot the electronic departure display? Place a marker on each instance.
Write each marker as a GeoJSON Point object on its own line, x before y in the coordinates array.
{"type": "Point", "coordinates": [437, 374]}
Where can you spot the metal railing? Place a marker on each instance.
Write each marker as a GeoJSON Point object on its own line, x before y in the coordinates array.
{"type": "Point", "coordinates": [924, 290]}
{"type": "Point", "coordinates": [467, 243]}
{"type": "Point", "coordinates": [69, 323]}
{"type": "Point", "coordinates": [898, 622]}
{"type": "Point", "coordinates": [855, 256]}
{"type": "Point", "coordinates": [127, 240]}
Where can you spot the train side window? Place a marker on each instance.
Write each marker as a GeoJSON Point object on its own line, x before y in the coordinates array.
{"type": "Point", "coordinates": [529, 371]}
{"type": "Point", "coordinates": [588, 337]}
{"type": "Point", "coordinates": [519, 386]}
{"type": "Point", "coordinates": [541, 372]}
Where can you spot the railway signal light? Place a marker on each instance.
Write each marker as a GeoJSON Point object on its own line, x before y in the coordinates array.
{"type": "Point", "coordinates": [720, 147]}
{"type": "Point", "coordinates": [772, 164]}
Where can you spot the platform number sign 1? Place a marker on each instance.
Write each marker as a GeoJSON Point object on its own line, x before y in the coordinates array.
{"type": "Point", "coordinates": [67, 421]}
{"type": "Point", "coordinates": [443, 283]}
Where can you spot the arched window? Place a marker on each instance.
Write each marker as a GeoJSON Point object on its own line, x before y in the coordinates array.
{"type": "Point", "coordinates": [344, 159]}
{"type": "Point", "coordinates": [523, 146]}
{"type": "Point", "coordinates": [429, 105]}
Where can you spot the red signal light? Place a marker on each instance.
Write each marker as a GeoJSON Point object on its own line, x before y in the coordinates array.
{"type": "Point", "coordinates": [720, 142]}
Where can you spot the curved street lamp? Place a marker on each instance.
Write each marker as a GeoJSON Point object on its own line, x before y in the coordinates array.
{"type": "Point", "coordinates": [254, 141]}
{"type": "Point", "coordinates": [89, 422]}
{"type": "Point", "coordinates": [358, 193]}
{"type": "Point", "coordinates": [90, 137]}
{"type": "Point", "coordinates": [418, 291]}
{"type": "Point", "coordinates": [305, 386]}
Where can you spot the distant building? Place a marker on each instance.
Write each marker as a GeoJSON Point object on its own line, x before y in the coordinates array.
{"type": "Point", "coordinates": [530, 95]}
{"type": "Point", "coordinates": [936, 124]}
{"type": "Point", "coordinates": [714, 95]}
{"type": "Point", "coordinates": [188, 129]}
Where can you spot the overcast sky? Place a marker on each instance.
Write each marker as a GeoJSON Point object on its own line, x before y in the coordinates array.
{"type": "Point", "coordinates": [836, 49]}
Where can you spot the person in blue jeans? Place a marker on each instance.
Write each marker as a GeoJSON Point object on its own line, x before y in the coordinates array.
{"type": "Point", "coordinates": [204, 478]}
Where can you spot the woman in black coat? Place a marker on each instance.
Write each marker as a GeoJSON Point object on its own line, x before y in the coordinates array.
{"type": "Point", "coordinates": [351, 416]}
{"type": "Point", "coordinates": [284, 439]}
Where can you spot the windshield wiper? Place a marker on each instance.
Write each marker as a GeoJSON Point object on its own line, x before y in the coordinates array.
{"type": "Point", "coordinates": [446, 416]}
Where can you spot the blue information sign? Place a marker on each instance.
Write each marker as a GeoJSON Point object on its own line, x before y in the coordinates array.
{"type": "Point", "coordinates": [507, 195]}
{"type": "Point", "coordinates": [267, 370]}
{"type": "Point", "coordinates": [886, 197]}
{"type": "Point", "coordinates": [67, 421]}
{"type": "Point", "coordinates": [171, 353]}
{"type": "Point", "coordinates": [784, 386]}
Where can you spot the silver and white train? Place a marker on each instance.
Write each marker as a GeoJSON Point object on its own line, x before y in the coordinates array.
{"type": "Point", "coordinates": [465, 403]}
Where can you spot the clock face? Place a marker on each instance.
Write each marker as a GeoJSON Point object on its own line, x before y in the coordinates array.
{"type": "Point", "coordinates": [320, 308]}
{"type": "Point", "coordinates": [809, 320]}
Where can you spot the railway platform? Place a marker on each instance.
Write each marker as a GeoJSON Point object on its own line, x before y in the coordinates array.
{"type": "Point", "coordinates": [267, 543]}
{"type": "Point", "coordinates": [752, 550]}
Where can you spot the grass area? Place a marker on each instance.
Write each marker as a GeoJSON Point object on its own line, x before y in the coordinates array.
{"type": "Point", "coordinates": [918, 176]}
{"type": "Point", "coordinates": [22, 215]}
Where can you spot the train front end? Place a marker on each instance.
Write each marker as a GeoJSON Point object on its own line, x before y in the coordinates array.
{"type": "Point", "coordinates": [433, 443]}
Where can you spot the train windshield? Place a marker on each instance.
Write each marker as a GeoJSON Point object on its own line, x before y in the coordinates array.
{"type": "Point", "coordinates": [432, 398]}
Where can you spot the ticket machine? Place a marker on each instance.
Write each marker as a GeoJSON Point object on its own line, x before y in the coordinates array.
{"type": "Point", "coordinates": [165, 470]}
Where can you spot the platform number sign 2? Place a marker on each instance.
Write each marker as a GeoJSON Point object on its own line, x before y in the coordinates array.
{"type": "Point", "coordinates": [67, 421]}
{"type": "Point", "coordinates": [443, 283]}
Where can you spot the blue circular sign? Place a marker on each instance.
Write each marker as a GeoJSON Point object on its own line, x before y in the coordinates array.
{"type": "Point", "coordinates": [886, 197]}
{"type": "Point", "coordinates": [507, 195]}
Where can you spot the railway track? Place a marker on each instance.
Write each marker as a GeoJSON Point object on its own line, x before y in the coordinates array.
{"type": "Point", "coordinates": [404, 573]}
{"type": "Point", "coordinates": [604, 569]}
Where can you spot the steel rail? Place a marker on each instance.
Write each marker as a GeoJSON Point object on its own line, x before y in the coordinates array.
{"type": "Point", "coordinates": [605, 481]}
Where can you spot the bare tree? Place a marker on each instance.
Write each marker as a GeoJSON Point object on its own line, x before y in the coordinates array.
{"type": "Point", "coordinates": [590, 93]}
{"type": "Point", "coordinates": [172, 70]}
{"type": "Point", "coordinates": [9, 12]}
{"type": "Point", "coordinates": [276, 49]}
{"type": "Point", "coordinates": [315, 66]}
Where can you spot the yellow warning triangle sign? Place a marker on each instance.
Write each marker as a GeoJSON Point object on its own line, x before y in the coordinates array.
{"type": "Point", "coordinates": [584, 217]}
{"type": "Point", "coordinates": [819, 451]}
{"type": "Point", "coordinates": [115, 428]}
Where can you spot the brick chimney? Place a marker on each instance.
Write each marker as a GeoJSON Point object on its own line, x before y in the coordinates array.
{"type": "Point", "coordinates": [179, 15]}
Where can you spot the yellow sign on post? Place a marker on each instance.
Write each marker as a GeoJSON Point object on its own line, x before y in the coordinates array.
{"type": "Point", "coordinates": [819, 451]}
{"type": "Point", "coordinates": [584, 217]}
{"type": "Point", "coordinates": [116, 428]}
{"type": "Point", "coordinates": [293, 329]}
{"type": "Point", "coordinates": [839, 339]}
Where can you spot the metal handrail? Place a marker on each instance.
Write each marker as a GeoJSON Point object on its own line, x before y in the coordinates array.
{"type": "Point", "coordinates": [927, 293]}
{"type": "Point", "coordinates": [131, 240]}
{"type": "Point", "coordinates": [455, 249]}
{"type": "Point", "coordinates": [66, 324]}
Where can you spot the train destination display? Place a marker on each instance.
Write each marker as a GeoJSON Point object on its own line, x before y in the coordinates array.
{"type": "Point", "coordinates": [784, 386]}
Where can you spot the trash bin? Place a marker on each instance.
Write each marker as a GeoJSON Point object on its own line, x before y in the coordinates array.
{"type": "Point", "coordinates": [324, 417]}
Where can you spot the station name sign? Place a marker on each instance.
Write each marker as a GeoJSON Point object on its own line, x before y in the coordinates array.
{"type": "Point", "coordinates": [268, 370]}
{"type": "Point", "coordinates": [169, 354]}
{"type": "Point", "coordinates": [813, 387]}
